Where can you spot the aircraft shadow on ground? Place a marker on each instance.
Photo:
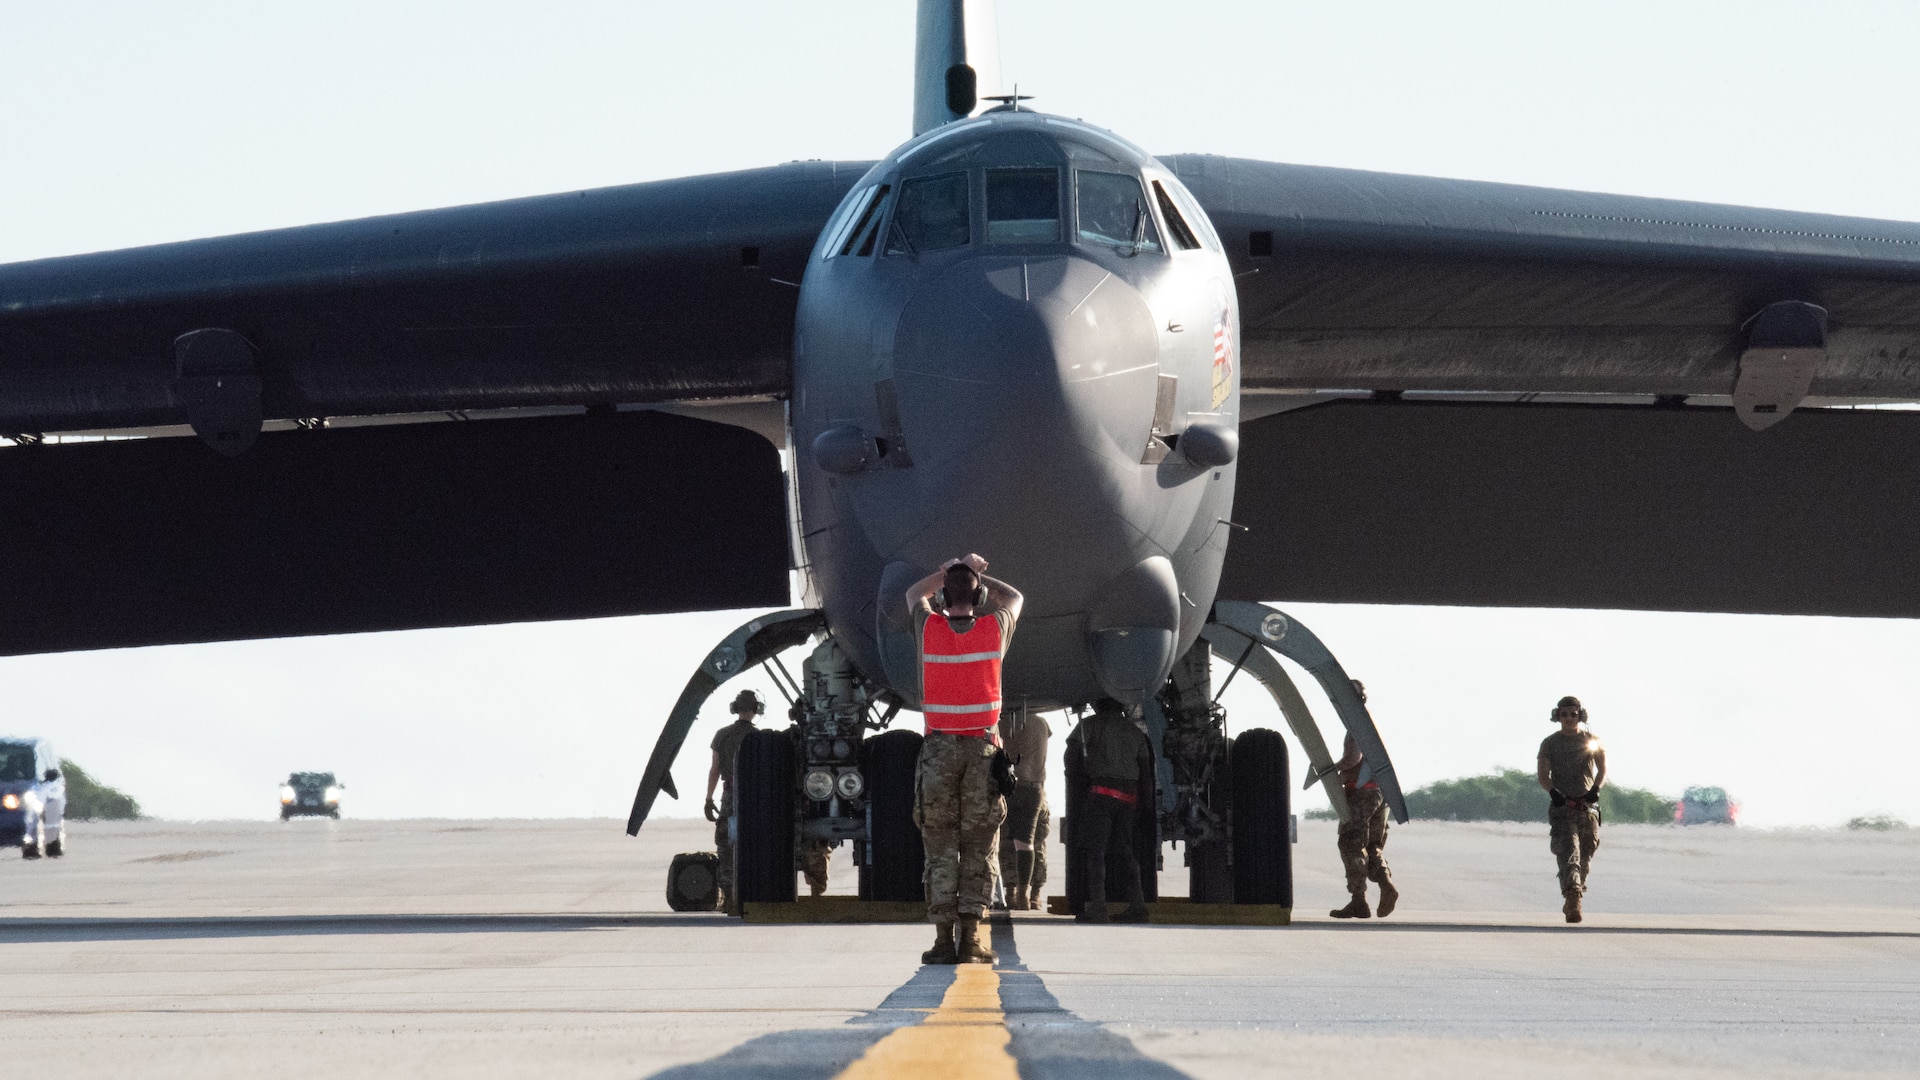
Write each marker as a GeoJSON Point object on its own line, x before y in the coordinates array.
{"type": "Point", "coordinates": [1048, 1042]}
{"type": "Point", "coordinates": [222, 926]}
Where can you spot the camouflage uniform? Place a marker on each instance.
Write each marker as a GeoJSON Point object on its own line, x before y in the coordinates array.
{"type": "Point", "coordinates": [1363, 839]}
{"type": "Point", "coordinates": [726, 744]}
{"type": "Point", "coordinates": [959, 811]}
{"type": "Point", "coordinates": [1573, 830]}
{"type": "Point", "coordinates": [813, 864]}
{"type": "Point", "coordinates": [1025, 738]}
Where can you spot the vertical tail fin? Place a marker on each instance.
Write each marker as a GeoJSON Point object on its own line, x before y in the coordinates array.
{"type": "Point", "coordinates": [956, 60]}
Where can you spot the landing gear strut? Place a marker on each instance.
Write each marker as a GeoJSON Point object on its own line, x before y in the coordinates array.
{"type": "Point", "coordinates": [1230, 800]}
{"type": "Point", "coordinates": [821, 782]}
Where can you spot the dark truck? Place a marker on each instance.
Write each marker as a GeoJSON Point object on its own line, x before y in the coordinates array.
{"type": "Point", "coordinates": [310, 794]}
{"type": "Point", "coordinates": [33, 798]}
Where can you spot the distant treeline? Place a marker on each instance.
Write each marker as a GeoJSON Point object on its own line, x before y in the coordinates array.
{"type": "Point", "coordinates": [1515, 795]}
{"type": "Point", "coordinates": [90, 800]}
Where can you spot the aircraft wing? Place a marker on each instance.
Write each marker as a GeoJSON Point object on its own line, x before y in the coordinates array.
{"type": "Point", "coordinates": [1471, 393]}
{"type": "Point", "coordinates": [578, 306]}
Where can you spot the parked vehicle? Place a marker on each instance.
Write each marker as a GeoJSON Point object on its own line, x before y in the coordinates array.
{"type": "Point", "coordinates": [33, 798]}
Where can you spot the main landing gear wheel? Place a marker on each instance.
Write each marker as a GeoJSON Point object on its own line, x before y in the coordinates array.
{"type": "Point", "coordinates": [897, 862]}
{"type": "Point", "coordinates": [763, 818]}
{"type": "Point", "coordinates": [1262, 821]}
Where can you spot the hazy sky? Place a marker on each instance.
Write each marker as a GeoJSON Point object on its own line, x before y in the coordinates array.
{"type": "Point", "coordinates": [132, 123]}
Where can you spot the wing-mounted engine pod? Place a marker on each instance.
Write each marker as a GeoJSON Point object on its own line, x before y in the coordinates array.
{"type": "Point", "coordinates": [1134, 628]}
{"type": "Point", "coordinates": [217, 380]}
{"type": "Point", "coordinates": [1785, 343]}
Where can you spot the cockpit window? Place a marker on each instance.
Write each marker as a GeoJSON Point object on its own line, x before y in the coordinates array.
{"type": "Point", "coordinates": [1177, 228]}
{"type": "Point", "coordinates": [1023, 206]}
{"type": "Point", "coordinates": [863, 225]}
{"type": "Point", "coordinates": [933, 214]}
{"type": "Point", "coordinates": [1113, 211]}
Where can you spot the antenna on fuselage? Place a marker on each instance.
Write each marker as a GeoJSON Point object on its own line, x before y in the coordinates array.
{"type": "Point", "coordinates": [1010, 102]}
{"type": "Point", "coordinates": [956, 60]}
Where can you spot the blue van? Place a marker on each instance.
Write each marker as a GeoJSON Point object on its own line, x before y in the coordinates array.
{"type": "Point", "coordinates": [33, 798]}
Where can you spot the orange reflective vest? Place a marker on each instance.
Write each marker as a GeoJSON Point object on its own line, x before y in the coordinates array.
{"type": "Point", "coordinates": [960, 675]}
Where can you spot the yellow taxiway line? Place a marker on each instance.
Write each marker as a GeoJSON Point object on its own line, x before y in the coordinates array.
{"type": "Point", "coordinates": [964, 1039]}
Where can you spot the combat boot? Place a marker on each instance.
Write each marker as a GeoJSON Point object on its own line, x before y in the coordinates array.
{"type": "Point", "coordinates": [1356, 909]}
{"type": "Point", "coordinates": [1019, 901]}
{"type": "Point", "coordinates": [943, 951]}
{"type": "Point", "coordinates": [1093, 911]}
{"type": "Point", "coordinates": [1572, 907]}
{"type": "Point", "coordinates": [970, 948]}
{"type": "Point", "coordinates": [1389, 895]}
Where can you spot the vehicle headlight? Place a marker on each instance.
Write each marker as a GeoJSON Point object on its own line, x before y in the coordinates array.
{"type": "Point", "coordinates": [286, 793]}
{"type": "Point", "coordinates": [10, 801]}
{"type": "Point", "coordinates": [818, 785]}
{"type": "Point", "coordinates": [333, 794]}
{"type": "Point", "coordinates": [850, 785]}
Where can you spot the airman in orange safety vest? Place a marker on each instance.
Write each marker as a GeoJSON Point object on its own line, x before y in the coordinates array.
{"type": "Point", "coordinates": [957, 802]}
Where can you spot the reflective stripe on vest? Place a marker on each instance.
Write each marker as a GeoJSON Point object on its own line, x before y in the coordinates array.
{"type": "Point", "coordinates": [960, 674]}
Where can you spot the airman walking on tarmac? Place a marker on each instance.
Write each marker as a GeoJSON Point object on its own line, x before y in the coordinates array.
{"type": "Point", "coordinates": [1362, 836]}
{"type": "Point", "coordinates": [1572, 767]}
{"type": "Point", "coordinates": [726, 748]}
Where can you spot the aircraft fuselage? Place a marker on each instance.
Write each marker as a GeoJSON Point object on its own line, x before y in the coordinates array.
{"type": "Point", "coordinates": [1018, 336]}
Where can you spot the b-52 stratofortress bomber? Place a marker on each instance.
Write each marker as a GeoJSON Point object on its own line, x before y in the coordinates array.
{"type": "Point", "coordinates": [1154, 391]}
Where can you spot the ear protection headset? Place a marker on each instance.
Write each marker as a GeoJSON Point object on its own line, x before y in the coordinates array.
{"type": "Point", "coordinates": [1568, 702]}
{"type": "Point", "coordinates": [747, 699]}
{"type": "Point", "coordinates": [979, 591]}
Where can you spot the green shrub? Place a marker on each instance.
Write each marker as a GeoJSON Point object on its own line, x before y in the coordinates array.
{"type": "Point", "coordinates": [1515, 795]}
{"type": "Point", "coordinates": [1877, 823]}
{"type": "Point", "coordinates": [90, 800]}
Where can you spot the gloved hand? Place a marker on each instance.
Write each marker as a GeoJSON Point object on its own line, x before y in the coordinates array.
{"type": "Point", "coordinates": [1592, 798]}
{"type": "Point", "coordinates": [712, 811]}
{"type": "Point", "coordinates": [1556, 798]}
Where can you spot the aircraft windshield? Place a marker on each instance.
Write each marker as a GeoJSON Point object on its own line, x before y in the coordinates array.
{"type": "Point", "coordinates": [1023, 206]}
{"type": "Point", "coordinates": [16, 762]}
{"type": "Point", "coordinates": [1113, 211]}
{"type": "Point", "coordinates": [932, 215]}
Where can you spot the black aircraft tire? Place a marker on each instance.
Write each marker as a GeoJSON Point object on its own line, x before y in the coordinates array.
{"type": "Point", "coordinates": [898, 861]}
{"type": "Point", "coordinates": [1262, 847]}
{"type": "Point", "coordinates": [763, 801]}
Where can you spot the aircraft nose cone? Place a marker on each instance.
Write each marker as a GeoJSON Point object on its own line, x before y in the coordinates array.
{"type": "Point", "coordinates": [1053, 348]}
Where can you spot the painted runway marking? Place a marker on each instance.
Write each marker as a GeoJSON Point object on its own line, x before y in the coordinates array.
{"type": "Point", "coordinates": [964, 1039]}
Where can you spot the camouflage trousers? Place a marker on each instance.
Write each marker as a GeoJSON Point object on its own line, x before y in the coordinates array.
{"type": "Point", "coordinates": [959, 811]}
{"type": "Point", "coordinates": [1573, 831]}
{"type": "Point", "coordinates": [1028, 820]}
{"type": "Point", "coordinates": [723, 844]}
{"type": "Point", "coordinates": [1362, 839]}
{"type": "Point", "coordinates": [813, 863]}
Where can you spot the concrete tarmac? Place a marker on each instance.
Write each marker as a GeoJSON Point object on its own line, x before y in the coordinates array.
{"type": "Point", "coordinates": [481, 949]}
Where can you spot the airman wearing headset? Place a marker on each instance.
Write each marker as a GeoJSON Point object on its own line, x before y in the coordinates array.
{"type": "Point", "coordinates": [1573, 766]}
{"type": "Point", "coordinates": [726, 748]}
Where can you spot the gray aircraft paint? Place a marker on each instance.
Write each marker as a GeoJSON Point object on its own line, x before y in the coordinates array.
{"type": "Point", "coordinates": [943, 396]}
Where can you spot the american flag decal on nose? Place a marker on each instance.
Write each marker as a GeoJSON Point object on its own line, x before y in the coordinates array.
{"type": "Point", "coordinates": [1222, 353]}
